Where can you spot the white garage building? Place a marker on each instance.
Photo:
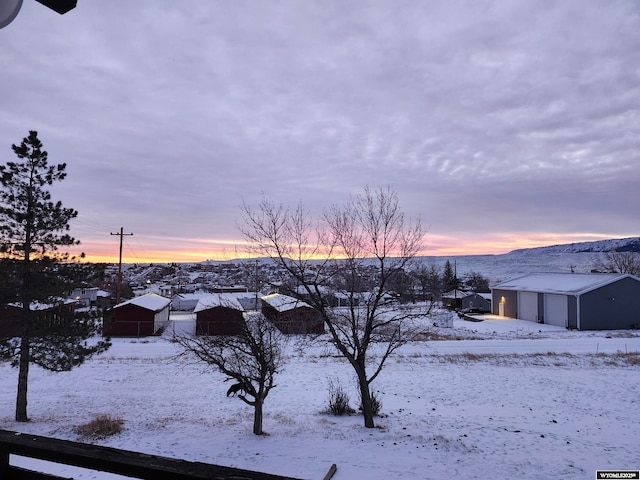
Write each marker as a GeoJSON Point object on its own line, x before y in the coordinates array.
{"type": "Point", "coordinates": [572, 300]}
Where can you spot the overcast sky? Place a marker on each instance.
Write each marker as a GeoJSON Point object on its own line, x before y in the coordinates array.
{"type": "Point", "coordinates": [500, 124]}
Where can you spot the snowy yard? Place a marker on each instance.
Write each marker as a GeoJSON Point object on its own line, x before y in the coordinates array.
{"type": "Point", "coordinates": [509, 399]}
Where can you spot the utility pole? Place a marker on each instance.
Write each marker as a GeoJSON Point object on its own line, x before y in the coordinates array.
{"type": "Point", "coordinates": [257, 286]}
{"type": "Point", "coordinates": [119, 285]}
{"type": "Point", "coordinates": [455, 278]}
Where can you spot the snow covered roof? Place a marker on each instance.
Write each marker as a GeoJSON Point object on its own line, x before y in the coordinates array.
{"type": "Point", "coordinates": [149, 301]}
{"type": "Point", "coordinates": [44, 306]}
{"type": "Point", "coordinates": [561, 283]}
{"type": "Point", "coordinates": [283, 303]}
{"type": "Point", "coordinates": [188, 296]}
{"type": "Point", "coordinates": [300, 290]}
{"type": "Point", "coordinates": [218, 300]}
{"type": "Point", "coordinates": [456, 294]}
{"type": "Point", "coordinates": [486, 296]}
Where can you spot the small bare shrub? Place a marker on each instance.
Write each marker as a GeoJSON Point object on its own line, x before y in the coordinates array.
{"type": "Point", "coordinates": [376, 404]}
{"type": "Point", "coordinates": [338, 399]}
{"type": "Point", "coordinates": [102, 426]}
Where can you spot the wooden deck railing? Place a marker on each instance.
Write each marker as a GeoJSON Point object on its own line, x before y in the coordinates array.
{"type": "Point", "coordinates": [106, 459]}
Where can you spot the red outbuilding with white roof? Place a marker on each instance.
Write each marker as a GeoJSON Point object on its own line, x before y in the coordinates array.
{"type": "Point", "coordinates": [219, 314]}
{"type": "Point", "coordinates": [291, 315]}
{"type": "Point", "coordinates": [139, 317]}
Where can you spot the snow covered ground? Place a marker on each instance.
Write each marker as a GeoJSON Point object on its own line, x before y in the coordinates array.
{"type": "Point", "coordinates": [506, 399]}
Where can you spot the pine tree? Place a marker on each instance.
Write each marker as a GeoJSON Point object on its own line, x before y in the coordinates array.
{"type": "Point", "coordinates": [36, 273]}
{"type": "Point", "coordinates": [450, 280]}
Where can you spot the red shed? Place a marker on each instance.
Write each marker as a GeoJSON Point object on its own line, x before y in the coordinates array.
{"type": "Point", "coordinates": [219, 314]}
{"type": "Point", "coordinates": [291, 315]}
{"type": "Point", "coordinates": [141, 316]}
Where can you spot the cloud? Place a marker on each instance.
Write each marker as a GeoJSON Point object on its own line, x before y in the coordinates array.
{"type": "Point", "coordinates": [485, 116]}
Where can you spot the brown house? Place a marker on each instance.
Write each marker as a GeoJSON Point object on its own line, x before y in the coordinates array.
{"type": "Point", "coordinates": [219, 314]}
{"type": "Point", "coordinates": [291, 315]}
{"type": "Point", "coordinates": [48, 317]}
{"type": "Point", "coordinates": [139, 317]}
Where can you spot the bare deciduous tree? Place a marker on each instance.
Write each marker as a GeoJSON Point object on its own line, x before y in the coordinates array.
{"type": "Point", "coordinates": [477, 282]}
{"type": "Point", "coordinates": [250, 359]}
{"type": "Point", "coordinates": [353, 253]}
{"type": "Point", "coordinates": [429, 278]}
{"type": "Point", "coordinates": [619, 262]}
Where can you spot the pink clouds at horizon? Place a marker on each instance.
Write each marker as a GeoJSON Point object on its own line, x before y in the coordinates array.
{"type": "Point", "coordinates": [467, 243]}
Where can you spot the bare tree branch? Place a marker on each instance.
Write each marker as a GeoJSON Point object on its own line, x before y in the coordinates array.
{"type": "Point", "coordinates": [251, 359]}
{"type": "Point", "coordinates": [362, 246]}
{"type": "Point", "coordinates": [619, 262]}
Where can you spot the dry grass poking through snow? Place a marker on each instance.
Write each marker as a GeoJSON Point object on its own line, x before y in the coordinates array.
{"type": "Point", "coordinates": [619, 359]}
{"type": "Point", "coordinates": [101, 427]}
{"type": "Point", "coordinates": [446, 334]}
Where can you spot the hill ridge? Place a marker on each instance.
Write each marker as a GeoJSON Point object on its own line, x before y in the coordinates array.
{"type": "Point", "coordinates": [629, 244]}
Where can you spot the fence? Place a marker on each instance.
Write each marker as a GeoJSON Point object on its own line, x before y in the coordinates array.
{"type": "Point", "coordinates": [107, 459]}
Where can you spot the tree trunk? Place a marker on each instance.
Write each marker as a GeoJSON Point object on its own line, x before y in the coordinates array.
{"type": "Point", "coordinates": [257, 417]}
{"type": "Point", "coordinates": [365, 398]}
{"type": "Point", "coordinates": [23, 375]}
{"type": "Point", "coordinates": [27, 327]}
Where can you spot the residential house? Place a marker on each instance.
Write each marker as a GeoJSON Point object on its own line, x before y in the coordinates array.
{"type": "Point", "coordinates": [476, 302]}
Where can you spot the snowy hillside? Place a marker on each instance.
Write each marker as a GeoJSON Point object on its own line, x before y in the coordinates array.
{"type": "Point", "coordinates": [631, 244]}
{"type": "Point", "coordinates": [498, 268]}
{"type": "Point", "coordinates": [573, 257]}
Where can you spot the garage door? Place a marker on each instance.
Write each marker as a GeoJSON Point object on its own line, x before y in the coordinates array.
{"type": "Point", "coordinates": [556, 310]}
{"type": "Point", "coordinates": [528, 306]}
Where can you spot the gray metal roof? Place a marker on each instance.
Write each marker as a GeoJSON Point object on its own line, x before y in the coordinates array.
{"type": "Point", "coordinates": [561, 283]}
